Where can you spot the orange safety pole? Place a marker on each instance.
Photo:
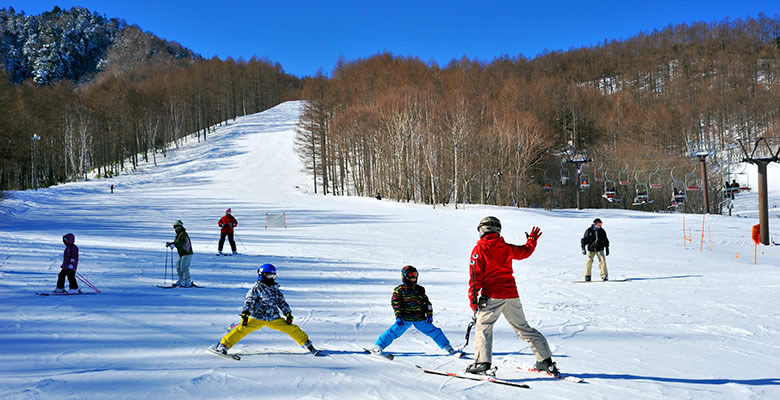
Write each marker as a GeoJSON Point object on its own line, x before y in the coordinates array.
{"type": "Point", "coordinates": [701, 248]}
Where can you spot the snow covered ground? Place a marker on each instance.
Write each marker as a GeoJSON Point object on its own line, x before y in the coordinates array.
{"type": "Point", "coordinates": [697, 319]}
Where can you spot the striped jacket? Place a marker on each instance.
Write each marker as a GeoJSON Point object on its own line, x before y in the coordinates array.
{"type": "Point", "coordinates": [411, 303]}
{"type": "Point", "coordinates": [264, 302]}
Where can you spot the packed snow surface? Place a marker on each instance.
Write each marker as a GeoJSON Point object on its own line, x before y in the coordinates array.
{"type": "Point", "coordinates": [697, 318]}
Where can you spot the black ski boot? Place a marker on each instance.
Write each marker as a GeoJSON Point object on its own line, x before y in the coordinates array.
{"type": "Point", "coordinates": [547, 366]}
{"type": "Point", "coordinates": [587, 278]}
{"type": "Point", "coordinates": [309, 346]}
{"type": "Point", "coordinates": [478, 368]}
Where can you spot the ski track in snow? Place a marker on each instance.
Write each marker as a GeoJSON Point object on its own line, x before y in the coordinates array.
{"type": "Point", "coordinates": [688, 324]}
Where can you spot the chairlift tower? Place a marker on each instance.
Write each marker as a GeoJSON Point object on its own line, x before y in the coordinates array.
{"type": "Point", "coordinates": [701, 152]}
{"type": "Point", "coordinates": [761, 153]}
{"type": "Point", "coordinates": [578, 158]}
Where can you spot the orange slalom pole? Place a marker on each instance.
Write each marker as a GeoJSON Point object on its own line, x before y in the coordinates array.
{"type": "Point", "coordinates": [701, 247]}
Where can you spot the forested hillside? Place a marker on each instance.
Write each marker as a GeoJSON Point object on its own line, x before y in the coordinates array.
{"type": "Point", "coordinates": [493, 132]}
{"type": "Point", "coordinates": [102, 94]}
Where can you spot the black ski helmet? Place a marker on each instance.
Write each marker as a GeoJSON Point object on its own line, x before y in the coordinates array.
{"type": "Point", "coordinates": [489, 225]}
{"type": "Point", "coordinates": [405, 272]}
{"type": "Point", "coordinates": [265, 270]}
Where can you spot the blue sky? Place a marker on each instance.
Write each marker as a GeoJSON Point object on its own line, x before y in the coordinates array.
{"type": "Point", "coordinates": [304, 36]}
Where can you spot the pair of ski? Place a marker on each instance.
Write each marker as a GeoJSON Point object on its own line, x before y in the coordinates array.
{"type": "Point", "coordinates": [490, 376]}
{"type": "Point", "coordinates": [607, 281]}
{"type": "Point", "coordinates": [390, 357]}
{"type": "Point", "coordinates": [236, 357]}
{"type": "Point", "coordinates": [63, 293]}
{"type": "Point", "coordinates": [174, 286]}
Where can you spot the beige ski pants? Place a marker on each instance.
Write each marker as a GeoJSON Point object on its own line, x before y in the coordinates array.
{"type": "Point", "coordinates": [512, 309]}
{"type": "Point", "coordinates": [602, 263]}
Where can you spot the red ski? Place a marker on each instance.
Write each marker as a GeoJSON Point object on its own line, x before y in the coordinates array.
{"type": "Point", "coordinates": [473, 377]}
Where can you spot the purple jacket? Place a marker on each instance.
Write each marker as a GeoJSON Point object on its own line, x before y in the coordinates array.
{"type": "Point", "coordinates": [71, 255]}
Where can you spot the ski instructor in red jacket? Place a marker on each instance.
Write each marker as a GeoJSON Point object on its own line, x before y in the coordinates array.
{"type": "Point", "coordinates": [493, 292]}
{"type": "Point", "coordinates": [227, 223]}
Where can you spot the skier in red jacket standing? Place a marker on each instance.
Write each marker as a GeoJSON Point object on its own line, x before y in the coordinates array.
{"type": "Point", "coordinates": [493, 292]}
{"type": "Point", "coordinates": [227, 223]}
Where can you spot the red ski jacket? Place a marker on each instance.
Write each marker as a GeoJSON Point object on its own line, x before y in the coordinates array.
{"type": "Point", "coordinates": [490, 268]}
{"type": "Point", "coordinates": [227, 222]}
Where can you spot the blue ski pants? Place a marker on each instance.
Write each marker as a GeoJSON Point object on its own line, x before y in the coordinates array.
{"type": "Point", "coordinates": [395, 331]}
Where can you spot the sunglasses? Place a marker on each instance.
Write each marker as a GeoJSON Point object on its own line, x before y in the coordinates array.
{"type": "Point", "coordinates": [270, 276]}
{"type": "Point", "coordinates": [411, 276]}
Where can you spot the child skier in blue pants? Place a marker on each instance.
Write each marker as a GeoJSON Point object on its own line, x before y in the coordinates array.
{"type": "Point", "coordinates": [411, 307]}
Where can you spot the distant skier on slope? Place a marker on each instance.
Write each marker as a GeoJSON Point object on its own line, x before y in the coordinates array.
{"type": "Point", "coordinates": [261, 309]}
{"type": "Point", "coordinates": [227, 223]}
{"type": "Point", "coordinates": [70, 262]}
{"type": "Point", "coordinates": [184, 248]}
{"type": "Point", "coordinates": [411, 307]}
{"type": "Point", "coordinates": [493, 292]}
{"type": "Point", "coordinates": [594, 243]}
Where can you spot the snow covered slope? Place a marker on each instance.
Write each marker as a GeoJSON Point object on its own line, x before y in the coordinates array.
{"type": "Point", "coordinates": [697, 319]}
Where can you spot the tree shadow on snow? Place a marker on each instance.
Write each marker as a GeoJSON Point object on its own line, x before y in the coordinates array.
{"type": "Point", "coordinates": [696, 381]}
{"type": "Point", "coordinates": [664, 277]}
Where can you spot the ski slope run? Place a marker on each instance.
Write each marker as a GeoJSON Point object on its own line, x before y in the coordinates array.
{"type": "Point", "coordinates": [696, 319]}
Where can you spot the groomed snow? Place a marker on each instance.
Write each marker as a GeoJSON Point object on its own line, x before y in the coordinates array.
{"type": "Point", "coordinates": [696, 320]}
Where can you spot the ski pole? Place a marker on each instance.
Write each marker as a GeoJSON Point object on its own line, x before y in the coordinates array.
{"type": "Point", "coordinates": [213, 238]}
{"type": "Point", "coordinates": [468, 329]}
{"type": "Point", "coordinates": [170, 251]}
{"type": "Point", "coordinates": [86, 282]}
{"type": "Point", "coordinates": [165, 275]}
{"type": "Point", "coordinates": [240, 241]}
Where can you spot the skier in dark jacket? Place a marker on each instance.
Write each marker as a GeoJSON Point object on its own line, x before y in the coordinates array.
{"type": "Point", "coordinates": [595, 243]}
{"type": "Point", "coordinates": [411, 307]}
{"type": "Point", "coordinates": [183, 246]}
{"type": "Point", "coordinates": [261, 309]}
{"type": "Point", "coordinates": [70, 262]}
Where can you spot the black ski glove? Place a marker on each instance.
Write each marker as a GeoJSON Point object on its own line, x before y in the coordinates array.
{"type": "Point", "coordinates": [584, 252]}
{"type": "Point", "coordinates": [244, 318]}
{"type": "Point", "coordinates": [606, 251]}
{"type": "Point", "coordinates": [289, 318]}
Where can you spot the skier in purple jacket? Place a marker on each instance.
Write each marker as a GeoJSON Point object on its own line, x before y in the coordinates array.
{"type": "Point", "coordinates": [70, 261]}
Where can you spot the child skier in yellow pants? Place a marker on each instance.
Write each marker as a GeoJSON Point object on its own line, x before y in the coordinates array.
{"type": "Point", "coordinates": [261, 309]}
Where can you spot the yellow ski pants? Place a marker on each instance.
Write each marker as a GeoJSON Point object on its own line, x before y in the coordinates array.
{"type": "Point", "coordinates": [236, 334]}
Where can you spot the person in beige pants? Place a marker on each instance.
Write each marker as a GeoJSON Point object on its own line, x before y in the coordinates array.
{"type": "Point", "coordinates": [493, 292]}
{"type": "Point", "coordinates": [512, 310]}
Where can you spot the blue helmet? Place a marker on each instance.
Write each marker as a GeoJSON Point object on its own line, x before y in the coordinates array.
{"type": "Point", "coordinates": [265, 269]}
